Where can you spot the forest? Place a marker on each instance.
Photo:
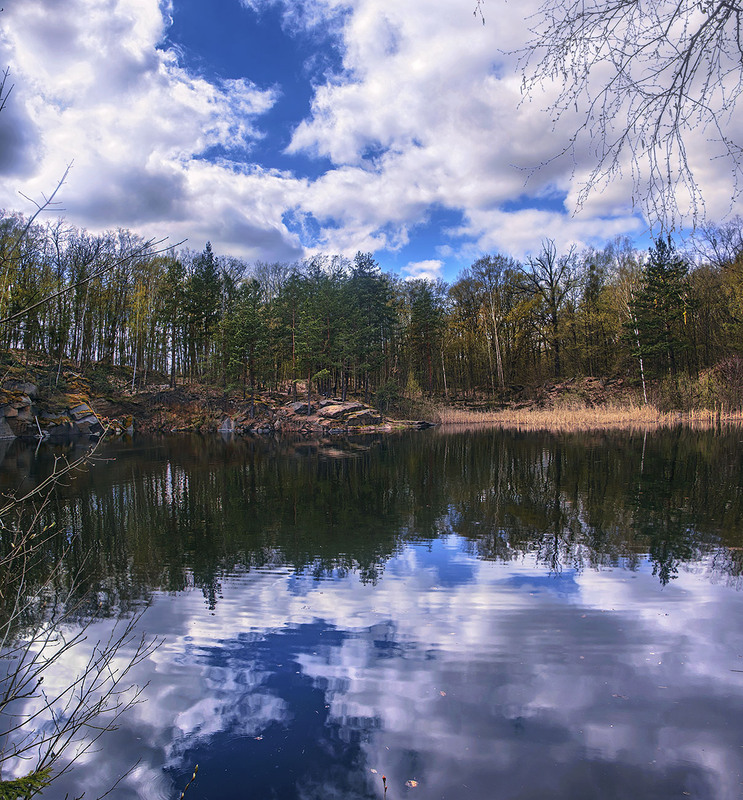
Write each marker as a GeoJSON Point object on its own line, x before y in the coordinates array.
{"type": "Point", "coordinates": [667, 320]}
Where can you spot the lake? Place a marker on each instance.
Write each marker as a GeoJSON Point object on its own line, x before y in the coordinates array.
{"type": "Point", "coordinates": [472, 614]}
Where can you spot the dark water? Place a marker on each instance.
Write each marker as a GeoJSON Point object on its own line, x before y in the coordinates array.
{"type": "Point", "coordinates": [472, 614]}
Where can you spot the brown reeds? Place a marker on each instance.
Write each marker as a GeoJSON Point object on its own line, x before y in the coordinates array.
{"type": "Point", "coordinates": [580, 417]}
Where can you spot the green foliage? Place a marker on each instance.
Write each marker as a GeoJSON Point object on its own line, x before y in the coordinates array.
{"type": "Point", "coordinates": [26, 787]}
{"type": "Point", "coordinates": [662, 307]}
{"type": "Point", "coordinates": [499, 326]}
{"type": "Point", "coordinates": [387, 396]}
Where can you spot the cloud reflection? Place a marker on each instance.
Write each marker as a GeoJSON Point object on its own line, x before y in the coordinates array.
{"type": "Point", "coordinates": [504, 682]}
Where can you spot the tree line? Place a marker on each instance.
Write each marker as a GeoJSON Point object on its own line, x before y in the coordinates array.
{"type": "Point", "coordinates": [343, 326]}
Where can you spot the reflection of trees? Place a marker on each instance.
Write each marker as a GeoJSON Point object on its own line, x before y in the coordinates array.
{"type": "Point", "coordinates": [593, 501]}
{"type": "Point", "coordinates": [183, 512]}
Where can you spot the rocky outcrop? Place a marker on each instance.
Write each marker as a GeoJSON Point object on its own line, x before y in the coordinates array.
{"type": "Point", "coordinates": [38, 401]}
{"type": "Point", "coordinates": [21, 415]}
{"type": "Point", "coordinates": [326, 416]}
{"type": "Point", "coordinates": [336, 410]}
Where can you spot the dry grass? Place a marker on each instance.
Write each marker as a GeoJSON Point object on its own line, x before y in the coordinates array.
{"type": "Point", "coordinates": [576, 418]}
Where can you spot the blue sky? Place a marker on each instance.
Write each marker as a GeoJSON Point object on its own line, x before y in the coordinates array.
{"type": "Point", "coordinates": [280, 128]}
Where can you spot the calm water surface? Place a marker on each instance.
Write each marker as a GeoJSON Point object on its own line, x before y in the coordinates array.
{"type": "Point", "coordinates": [475, 614]}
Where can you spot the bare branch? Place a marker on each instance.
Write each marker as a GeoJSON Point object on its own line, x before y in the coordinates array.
{"type": "Point", "coordinates": [672, 67]}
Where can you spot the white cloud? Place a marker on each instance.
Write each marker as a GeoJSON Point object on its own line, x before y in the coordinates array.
{"type": "Point", "coordinates": [430, 270]}
{"type": "Point", "coordinates": [427, 111]}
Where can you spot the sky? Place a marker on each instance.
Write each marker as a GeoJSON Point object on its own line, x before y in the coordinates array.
{"type": "Point", "coordinates": [281, 128]}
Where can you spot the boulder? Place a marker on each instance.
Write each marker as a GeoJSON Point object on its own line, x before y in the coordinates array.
{"type": "Point", "coordinates": [63, 430]}
{"type": "Point", "coordinates": [366, 417]}
{"type": "Point", "coordinates": [80, 411]}
{"type": "Point", "coordinates": [340, 410]}
{"type": "Point", "coordinates": [89, 425]}
{"type": "Point", "coordinates": [22, 387]}
{"type": "Point", "coordinates": [300, 408]}
{"type": "Point", "coordinates": [8, 411]}
{"type": "Point", "coordinates": [332, 412]}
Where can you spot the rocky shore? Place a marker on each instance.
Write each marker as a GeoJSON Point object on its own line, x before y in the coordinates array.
{"type": "Point", "coordinates": [28, 411]}
{"type": "Point", "coordinates": [23, 415]}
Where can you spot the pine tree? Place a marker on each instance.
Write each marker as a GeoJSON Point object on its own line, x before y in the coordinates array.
{"type": "Point", "coordinates": [661, 308]}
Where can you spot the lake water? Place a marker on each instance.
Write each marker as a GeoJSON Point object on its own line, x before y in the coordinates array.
{"type": "Point", "coordinates": [472, 614]}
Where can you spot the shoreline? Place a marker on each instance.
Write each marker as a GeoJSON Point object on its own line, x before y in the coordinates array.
{"type": "Point", "coordinates": [579, 418]}
{"type": "Point", "coordinates": [36, 403]}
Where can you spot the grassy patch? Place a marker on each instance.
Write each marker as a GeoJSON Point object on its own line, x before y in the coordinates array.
{"type": "Point", "coordinates": [576, 417]}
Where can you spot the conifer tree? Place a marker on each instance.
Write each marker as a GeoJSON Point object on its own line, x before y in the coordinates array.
{"type": "Point", "coordinates": [661, 308]}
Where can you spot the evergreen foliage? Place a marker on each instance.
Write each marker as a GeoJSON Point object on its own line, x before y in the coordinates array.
{"type": "Point", "coordinates": [662, 308]}
{"type": "Point", "coordinates": [26, 787]}
{"type": "Point", "coordinates": [344, 326]}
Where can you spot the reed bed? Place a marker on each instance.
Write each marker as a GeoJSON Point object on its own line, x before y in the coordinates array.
{"type": "Point", "coordinates": [576, 418]}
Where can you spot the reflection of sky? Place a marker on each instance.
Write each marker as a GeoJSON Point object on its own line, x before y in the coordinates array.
{"type": "Point", "coordinates": [472, 678]}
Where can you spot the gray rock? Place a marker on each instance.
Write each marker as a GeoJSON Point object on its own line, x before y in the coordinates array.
{"type": "Point", "coordinates": [5, 431]}
{"type": "Point", "coordinates": [8, 411]}
{"type": "Point", "coordinates": [81, 411]}
{"type": "Point", "coordinates": [63, 431]}
{"type": "Point", "coordinates": [227, 426]}
{"type": "Point", "coordinates": [366, 417]}
{"type": "Point", "coordinates": [31, 389]}
{"type": "Point", "coordinates": [339, 410]}
{"type": "Point", "coordinates": [301, 408]}
{"type": "Point", "coordinates": [89, 426]}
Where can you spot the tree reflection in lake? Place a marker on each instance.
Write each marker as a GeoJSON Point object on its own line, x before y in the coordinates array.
{"type": "Point", "coordinates": [169, 514]}
{"type": "Point", "coordinates": [449, 609]}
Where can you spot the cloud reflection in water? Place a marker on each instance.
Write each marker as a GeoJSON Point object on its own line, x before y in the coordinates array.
{"type": "Point", "coordinates": [472, 678]}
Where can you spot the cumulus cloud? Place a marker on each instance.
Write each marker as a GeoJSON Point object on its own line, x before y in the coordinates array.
{"type": "Point", "coordinates": [425, 111]}
{"type": "Point", "coordinates": [94, 86]}
{"type": "Point", "coordinates": [429, 270]}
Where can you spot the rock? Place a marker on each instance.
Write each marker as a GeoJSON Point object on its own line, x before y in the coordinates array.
{"type": "Point", "coordinates": [80, 411]}
{"type": "Point", "coordinates": [63, 430]}
{"type": "Point", "coordinates": [332, 412]}
{"type": "Point", "coordinates": [300, 408]}
{"type": "Point", "coordinates": [366, 417]}
{"type": "Point", "coordinates": [8, 411]}
{"type": "Point", "coordinates": [226, 426]}
{"type": "Point", "coordinates": [5, 431]}
{"type": "Point", "coordinates": [22, 387]}
{"type": "Point", "coordinates": [339, 410]}
{"type": "Point", "coordinates": [90, 425]}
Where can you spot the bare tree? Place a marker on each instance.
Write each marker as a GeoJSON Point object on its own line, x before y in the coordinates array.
{"type": "Point", "coordinates": [720, 245]}
{"type": "Point", "coordinates": [491, 273]}
{"type": "Point", "coordinates": [643, 76]}
{"type": "Point", "coordinates": [45, 729]}
{"type": "Point", "coordinates": [551, 278]}
{"type": "Point", "coordinates": [45, 726]}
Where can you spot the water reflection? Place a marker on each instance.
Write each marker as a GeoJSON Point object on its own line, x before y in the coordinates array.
{"type": "Point", "coordinates": [507, 684]}
{"type": "Point", "coordinates": [170, 513]}
{"type": "Point", "coordinates": [477, 615]}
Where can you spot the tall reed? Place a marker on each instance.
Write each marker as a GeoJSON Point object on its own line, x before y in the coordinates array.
{"type": "Point", "coordinates": [581, 417]}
